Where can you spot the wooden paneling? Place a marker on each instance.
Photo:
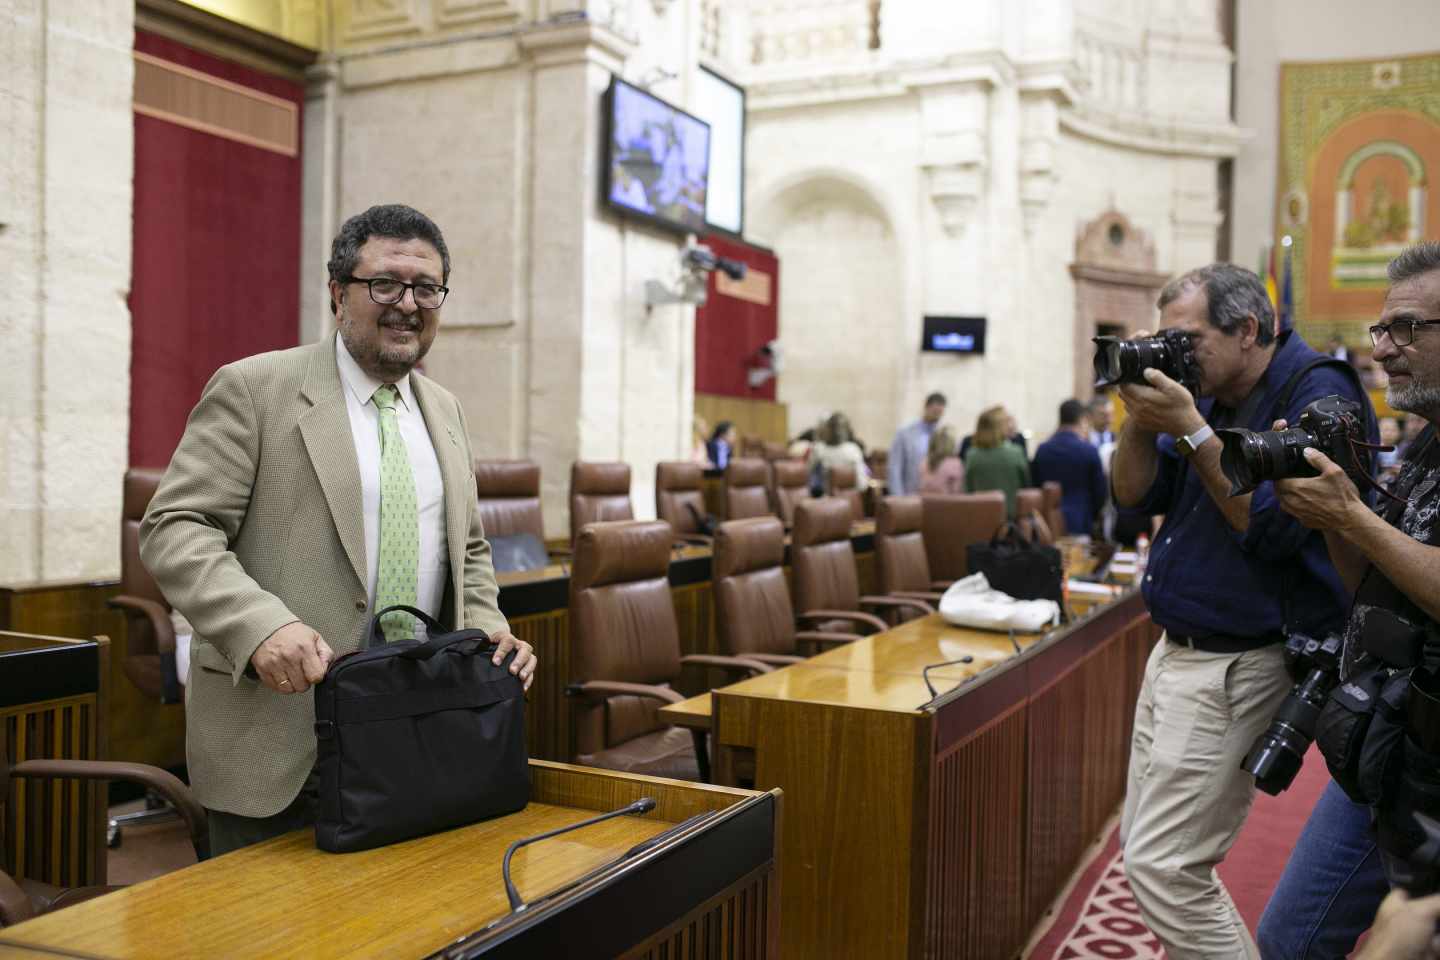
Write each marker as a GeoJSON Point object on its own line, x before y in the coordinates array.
{"type": "Point", "coordinates": [53, 831]}
{"type": "Point", "coordinates": [975, 876]}
{"type": "Point", "coordinates": [547, 713]}
{"type": "Point", "coordinates": [753, 418]}
{"type": "Point", "coordinates": [741, 924]}
{"type": "Point", "coordinates": [141, 729]}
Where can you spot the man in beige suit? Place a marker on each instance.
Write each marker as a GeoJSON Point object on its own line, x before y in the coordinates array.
{"type": "Point", "coordinates": [311, 486]}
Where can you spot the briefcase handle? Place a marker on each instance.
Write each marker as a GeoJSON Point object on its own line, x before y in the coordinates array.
{"type": "Point", "coordinates": [1010, 534]}
{"type": "Point", "coordinates": [438, 639]}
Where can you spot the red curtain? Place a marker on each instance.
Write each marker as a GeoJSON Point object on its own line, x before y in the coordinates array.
{"type": "Point", "coordinates": [215, 274]}
{"type": "Point", "coordinates": [730, 329]}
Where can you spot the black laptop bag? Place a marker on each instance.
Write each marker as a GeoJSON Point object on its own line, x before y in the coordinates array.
{"type": "Point", "coordinates": [416, 737]}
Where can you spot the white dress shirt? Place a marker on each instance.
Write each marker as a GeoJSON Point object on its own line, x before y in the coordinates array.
{"type": "Point", "coordinates": [429, 488]}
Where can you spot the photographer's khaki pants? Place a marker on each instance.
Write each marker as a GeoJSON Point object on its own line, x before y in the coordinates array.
{"type": "Point", "coordinates": [1187, 797]}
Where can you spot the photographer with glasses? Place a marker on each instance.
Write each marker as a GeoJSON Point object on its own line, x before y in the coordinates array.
{"type": "Point", "coordinates": [1389, 558]}
{"type": "Point", "coordinates": [1226, 576]}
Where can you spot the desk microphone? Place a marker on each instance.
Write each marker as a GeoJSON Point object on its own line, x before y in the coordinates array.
{"type": "Point", "coordinates": [925, 673]}
{"type": "Point", "coordinates": [643, 805]}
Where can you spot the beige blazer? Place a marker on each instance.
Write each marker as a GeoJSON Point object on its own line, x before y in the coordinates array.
{"type": "Point", "coordinates": [257, 523]}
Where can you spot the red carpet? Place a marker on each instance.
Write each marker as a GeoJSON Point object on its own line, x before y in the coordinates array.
{"type": "Point", "coordinates": [1099, 919]}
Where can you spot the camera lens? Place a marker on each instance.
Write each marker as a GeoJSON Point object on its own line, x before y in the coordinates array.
{"type": "Point", "coordinates": [1110, 360]}
{"type": "Point", "coordinates": [1248, 458]}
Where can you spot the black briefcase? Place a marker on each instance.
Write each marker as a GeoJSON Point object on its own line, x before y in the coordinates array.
{"type": "Point", "coordinates": [415, 737]}
{"type": "Point", "coordinates": [1015, 566]}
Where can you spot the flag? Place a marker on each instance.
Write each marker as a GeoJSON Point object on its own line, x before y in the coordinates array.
{"type": "Point", "coordinates": [1287, 292]}
{"type": "Point", "coordinates": [1267, 272]}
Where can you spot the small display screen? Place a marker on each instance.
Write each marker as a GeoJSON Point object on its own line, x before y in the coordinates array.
{"type": "Point", "coordinates": [657, 159]}
{"type": "Point", "coordinates": [954, 335]}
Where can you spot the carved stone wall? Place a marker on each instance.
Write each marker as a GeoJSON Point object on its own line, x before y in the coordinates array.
{"type": "Point", "coordinates": [1115, 287]}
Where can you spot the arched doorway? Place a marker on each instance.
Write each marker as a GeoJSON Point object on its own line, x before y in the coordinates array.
{"type": "Point", "coordinates": [1115, 287]}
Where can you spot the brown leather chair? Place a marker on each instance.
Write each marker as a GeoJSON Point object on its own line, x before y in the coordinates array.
{"type": "Point", "coordinates": [23, 899]}
{"type": "Point", "coordinates": [753, 615]}
{"type": "Point", "coordinates": [900, 559]}
{"type": "Point", "coordinates": [789, 484]}
{"type": "Point", "coordinates": [952, 522]}
{"type": "Point", "coordinates": [598, 491]}
{"type": "Point", "coordinates": [625, 653]}
{"type": "Point", "coordinates": [774, 450]}
{"type": "Point", "coordinates": [149, 659]}
{"type": "Point", "coordinates": [679, 498]}
{"type": "Point", "coordinates": [844, 483]}
{"type": "Point", "coordinates": [827, 588]}
{"type": "Point", "coordinates": [1030, 515]}
{"type": "Point", "coordinates": [509, 496]}
{"type": "Point", "coordinates": [1053, 514]}
{"type": "Point", "coordinates": [745, 494]}
{"type": "Point", "coordinates": [878, 460]}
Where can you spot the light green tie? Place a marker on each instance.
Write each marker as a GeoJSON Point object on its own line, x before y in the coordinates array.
{"type": "Point", "coordinates": [399, 562]}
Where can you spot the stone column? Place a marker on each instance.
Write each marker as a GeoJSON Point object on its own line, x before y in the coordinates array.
{"type": "Point", "coordinates": [65, 206]}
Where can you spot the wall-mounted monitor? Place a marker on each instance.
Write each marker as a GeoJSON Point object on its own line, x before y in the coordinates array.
{"type": "Point", "coordinates": [721, 104]}
{"type": "Point", "coordinates": [657, 159]}
{"type": "Point", "coordinates": [954, 335]}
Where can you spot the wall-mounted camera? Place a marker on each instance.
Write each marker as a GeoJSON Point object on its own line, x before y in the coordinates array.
{"type": "Point", "coordinates": [764, 365]}
{"type": "Point", "coordinates": [696, 260]}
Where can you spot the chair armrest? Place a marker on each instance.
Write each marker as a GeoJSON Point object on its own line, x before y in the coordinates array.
{"type": "Point", "coordinates": [153, 778]}
{"type": "Point", "coordinates": [931, 597]}
{"type": "Point", "coordinates": [735, 664]}
{"type": "Point", "coordinates": [598, 689]}
{"type": "Point", "coordinates": [897, 601]}
{"type": "Point", "coordinates": [695, 539]}
{"type": "Point", "coordinates": [775, 659]}
{"type": "Point", "coordinates": [820, 638]}
{"type": "Point", "coordinates": [854, 616]}
{"type": "Point", "coordinates": [14, 904]}
{"type": "Point", "coordinates": [941, 585]}
{"type": "Point", "coordinates": [158, 616]}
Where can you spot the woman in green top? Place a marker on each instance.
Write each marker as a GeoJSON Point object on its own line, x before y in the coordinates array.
{"type": "Point", "coordinates": [994, 463]}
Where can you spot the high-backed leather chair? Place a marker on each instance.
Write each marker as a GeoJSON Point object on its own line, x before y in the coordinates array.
{"type": "Point", "coordinates": [598, 491]}
{"type": "Point", "coordinates": [745, 494]}
{"type": "Point", "coordinates": [509, 497]}
{"type": "Point", "coordinates": [1030, 514]}
{"type": "Point", "coordinates": [149, 658]}
{"type": "Point", "coordinates": [774, 450]}
{"type": "Point", "coordinates": [679, 498]}
{"type": "Point", "coordinates": [844, 483]}
{"type": "Point", "coordinates": [625, 652]}
{"type": "Point", "coordinates": [789, 484]}
{"type": "Point", "coordinates": [951, 522]}
{"type": "Point", "coordinates": [753, 615]}
{"type": "Point", "coordinates": [23, 899]}
{"type": "Point", "coordinates": [508, 492]}
{"type": "Point", "coordinates": [827, 587]}
{"type": "Point", "coordinates": [1053, 515]}
{"type": "Point", "coordinates": [878, 460]}
{"type": "Point", "coordinates": [900, 560]}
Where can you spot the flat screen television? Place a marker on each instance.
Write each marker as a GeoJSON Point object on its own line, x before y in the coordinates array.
{"type": "Point", "coordinates": [954, 335]}
{"type": "Point", "coordinates": [657, 159]}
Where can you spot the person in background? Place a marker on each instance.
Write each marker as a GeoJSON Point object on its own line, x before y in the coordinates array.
{"type": "Point", "coordinates": [835, 444]}
{"type": "Point", "coordinates": [1387, 462]}
{"type": "Point", "coordinates": [1100, 435]}
{"type": "Point", "coordinates": [941, 471]}
{"type": "Point", "coordinates": [1338, 349]}
{"type": "Point", "coordinates": [912, 446]}
{"type": "Point", "coordinates": [800, 447]}
{"type": "Point", "coordinates": [722, 444]}
{"type": "Point", "coordinates": [994, 463]}
{"type": "Point", "coordinates": [1008, 431]}
{"type": "Point", "coordinates": [700, 437]}
{"type": "Point", "coordinates": [1070, 460]}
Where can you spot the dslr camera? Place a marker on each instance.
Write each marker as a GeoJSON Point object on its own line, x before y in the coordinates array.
{"type": "Point", "coordinates": [1118, 360]}
{"type": "Point", "coordinates": [1277, 754]}
{"type": "Point", "coordinates": [1333, 425]}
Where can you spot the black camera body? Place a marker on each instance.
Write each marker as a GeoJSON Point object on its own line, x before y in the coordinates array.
{"type": "Point", "coordinates": [1248, 457]}
{"type": "Point", "coordinates": [1275, 757]}
{"type": "Point", "coordinates": [1118, 360]}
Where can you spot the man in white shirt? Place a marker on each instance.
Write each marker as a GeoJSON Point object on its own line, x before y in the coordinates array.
{"type": "Point", "coordinates": [313, 487]}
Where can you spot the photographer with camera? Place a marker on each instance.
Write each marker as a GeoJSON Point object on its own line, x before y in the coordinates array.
{"type": "Point", "coordinates": [1227, 577]}
{"type": "Point", "coordinates": [1379, 730]}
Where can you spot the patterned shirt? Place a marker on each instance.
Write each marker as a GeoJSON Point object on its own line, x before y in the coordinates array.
{"type": "Point", "coordinates": [1418, 483]}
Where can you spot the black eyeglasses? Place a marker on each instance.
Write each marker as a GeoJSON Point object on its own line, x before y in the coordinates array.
{"type": "Point", "coordinates": [387, 290]}
{"type": "Point", "coordinates": [1402, 332]}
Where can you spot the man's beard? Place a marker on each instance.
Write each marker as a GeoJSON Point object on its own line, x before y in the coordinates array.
{"type": "Point", "coordinates": [1413, 397]}
{"type": "Point", "coordinates": [392, 362]}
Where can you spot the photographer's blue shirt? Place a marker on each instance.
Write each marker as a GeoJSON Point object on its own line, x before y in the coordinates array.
{"type": "Point", "coordinates": [1204, 578]}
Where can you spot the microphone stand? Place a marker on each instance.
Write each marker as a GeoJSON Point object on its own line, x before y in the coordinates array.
{"type": "Point", "coordinates": [517, 905]}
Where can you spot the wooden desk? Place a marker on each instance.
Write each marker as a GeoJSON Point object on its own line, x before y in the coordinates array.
{"type": "Point", "coordinates": [703, 889]}
{"type": "Point", "coordinates": [943, 827]}
{"type": "Point", "coordinates": [692, 714]}
{"type": "Point", "coordinates": [53, 698]}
